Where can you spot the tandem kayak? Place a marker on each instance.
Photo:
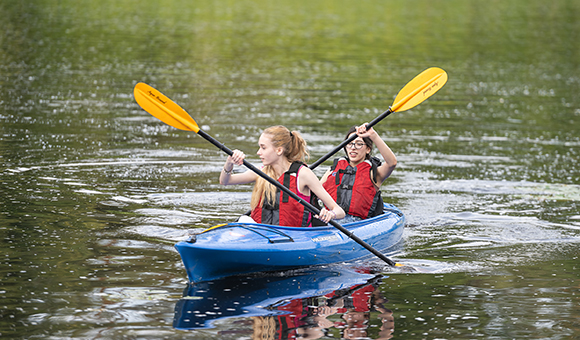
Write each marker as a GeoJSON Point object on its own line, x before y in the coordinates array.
{"type": "Point", "coordinates": [242, 248]}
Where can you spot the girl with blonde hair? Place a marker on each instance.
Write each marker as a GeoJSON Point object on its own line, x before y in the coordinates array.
{"type": "Point", "coordinates": [283, 153]}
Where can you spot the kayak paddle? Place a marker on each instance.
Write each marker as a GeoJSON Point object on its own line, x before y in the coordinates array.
{"type": "Point", "coordinates": [164, 109]}
{"type": "Point", "coordinates": [423, 86]}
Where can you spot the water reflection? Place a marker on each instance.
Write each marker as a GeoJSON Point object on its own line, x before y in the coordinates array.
{"type": "Point", "coordinates": [310, 304]}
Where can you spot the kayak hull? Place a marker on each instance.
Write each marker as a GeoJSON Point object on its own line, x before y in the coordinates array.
{"type": "Point", "coordinates": [241, 248]}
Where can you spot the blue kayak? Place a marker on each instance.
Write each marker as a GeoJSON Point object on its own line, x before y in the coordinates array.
{"type": "Point", "coordinates": [241, 248]}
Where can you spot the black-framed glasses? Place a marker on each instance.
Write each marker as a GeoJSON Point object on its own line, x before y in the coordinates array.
{"type": "Point", "coordinates": [355, 145]}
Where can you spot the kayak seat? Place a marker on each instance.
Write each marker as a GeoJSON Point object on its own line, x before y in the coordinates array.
{"type": "Point", "coordinates": [270, 234]}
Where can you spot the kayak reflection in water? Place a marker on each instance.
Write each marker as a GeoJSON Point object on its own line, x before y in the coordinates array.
{"type": "Point", "coordinates": [349, 312]}
{"type": "Point", "coordinates": [355, 313]}
{"type": "Point", "coordinates": [308, 303]}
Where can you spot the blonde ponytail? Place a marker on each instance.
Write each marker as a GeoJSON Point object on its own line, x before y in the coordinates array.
{"type": "Point", "coordinates": [295, 150]}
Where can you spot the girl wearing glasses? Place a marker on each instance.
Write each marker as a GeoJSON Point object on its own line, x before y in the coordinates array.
{"type": "Point", "coordinates": [354, 181]}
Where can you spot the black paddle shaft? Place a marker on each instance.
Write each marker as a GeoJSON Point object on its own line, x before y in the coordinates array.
{"type": "Point", "coordinates": [307, 205]}
{"type": "Point", "coordinates": [350, 139]}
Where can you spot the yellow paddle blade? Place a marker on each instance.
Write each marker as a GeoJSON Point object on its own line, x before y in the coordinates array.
{"type": "Point", "coordinates": [163, 108]}
{"type": "Point", "coordinates": [423, 86]}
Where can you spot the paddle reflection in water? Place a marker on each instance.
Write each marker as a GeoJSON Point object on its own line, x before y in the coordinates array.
{"type": "Point", "coordinates": [308, 304]}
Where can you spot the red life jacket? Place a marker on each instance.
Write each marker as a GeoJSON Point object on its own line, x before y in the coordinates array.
{"type": "Point", "coordinates": [285, 211]}
{"type": "Point", "coordinates": [353, 189]}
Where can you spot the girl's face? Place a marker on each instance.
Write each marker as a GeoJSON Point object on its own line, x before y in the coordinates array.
{"type": "Point", "coordinates": [357, 150]}
{"type": "Point", "coordinates": [267, 152]}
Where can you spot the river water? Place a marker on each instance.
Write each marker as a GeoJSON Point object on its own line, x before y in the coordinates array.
{"type": "Point", "coordinates": [94, 192]}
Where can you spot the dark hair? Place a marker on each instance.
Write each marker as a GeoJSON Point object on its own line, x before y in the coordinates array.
{"type": "Point", "coordinates": [367, 141]}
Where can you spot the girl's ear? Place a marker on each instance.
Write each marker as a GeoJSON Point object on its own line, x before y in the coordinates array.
{"type": "Point", "coordinates": [279, 151]}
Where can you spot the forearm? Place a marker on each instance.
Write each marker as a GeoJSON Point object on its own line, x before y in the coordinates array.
{"type": "Point", "coordinates": [332, 206]}
{"type": "Point", "coordinates": [310, 181]}
{"type": "Point", "coordinates": [338, 212]}
{"type": "Point", "coordinates": [388, 155]}
{"type": "Point", "coordinates": [229, 178]}
{"type": "Point", "coordinates": [226, 174]}
{"type": "Point", "coordinates": [325, 177]}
